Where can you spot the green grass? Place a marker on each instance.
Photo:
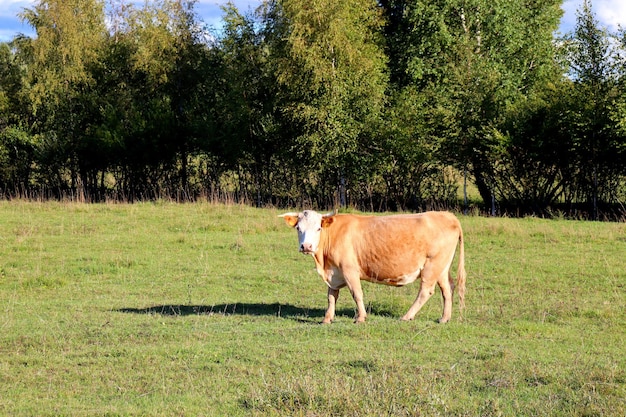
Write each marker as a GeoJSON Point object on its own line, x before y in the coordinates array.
{"type": "Point", "coordinates": [199, 309]}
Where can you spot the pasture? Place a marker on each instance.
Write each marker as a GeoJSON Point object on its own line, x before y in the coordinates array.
{"type": "Point", "coordinates": [209, 310]}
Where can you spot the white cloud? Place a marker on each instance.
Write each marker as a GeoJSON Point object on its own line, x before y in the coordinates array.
{"type": "Point", "coordinates": [10, 8]}
{"type": "Point", "coordinates": [610, 13]}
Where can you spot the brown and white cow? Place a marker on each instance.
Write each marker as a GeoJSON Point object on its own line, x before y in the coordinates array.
{"type": "Point", "coordinates": [393, 250]}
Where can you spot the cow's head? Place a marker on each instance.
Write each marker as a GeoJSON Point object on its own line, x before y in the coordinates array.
{"type": "Point", "coordinates": [309, 225]}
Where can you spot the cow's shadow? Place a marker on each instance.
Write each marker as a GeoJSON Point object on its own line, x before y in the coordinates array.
{"type": "Point", "coordinates": [287, 311]}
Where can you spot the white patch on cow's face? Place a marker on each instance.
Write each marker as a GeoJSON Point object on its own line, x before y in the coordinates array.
{"type": "Point", "coordinates": [309, 229]}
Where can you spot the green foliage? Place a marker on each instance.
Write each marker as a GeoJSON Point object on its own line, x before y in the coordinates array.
{"type": "Point", "coordinates": [476, 61]}
{"type": "Point", "coordinates": [69, 35]}
{"type": "Point", "coordinates": [17, 153]}
{"type": "Point", "coordinates": [378, 105]}
{"type": "Point", "coordinates": [597, 145]}
{"type": "Point", "coordinates": [248, 103]}
{"type": "Point", "coordinates": [333, 67]}
{"type": "Point", "coordinates": [537, 163]}
{"type": "Point", "coordinates": [11, 87]}
{"type": "Point", "coordinates": [200, 309]}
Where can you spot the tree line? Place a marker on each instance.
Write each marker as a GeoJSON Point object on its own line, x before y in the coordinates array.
{"type": "Point", "coordinates": [374, 104]}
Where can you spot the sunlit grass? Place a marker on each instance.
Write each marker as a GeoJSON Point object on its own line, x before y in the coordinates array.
{"type": "Point", "coordinates": [199, 309]}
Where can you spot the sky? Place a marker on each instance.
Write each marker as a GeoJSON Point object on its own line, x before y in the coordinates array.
{"type": "Point", "coordinates": [610, 13]}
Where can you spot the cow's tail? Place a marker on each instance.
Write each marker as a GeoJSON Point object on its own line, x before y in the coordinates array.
{"type": "Point", "coordinates": [461, 275]}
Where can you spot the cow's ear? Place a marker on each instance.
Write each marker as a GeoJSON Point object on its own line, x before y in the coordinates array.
{"type": "Point", "coordinates": [327, 220]}
{"type": "Point", "coordinates": [290, 218]}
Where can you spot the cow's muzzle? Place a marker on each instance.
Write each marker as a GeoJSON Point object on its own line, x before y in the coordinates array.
{"type": "Point", "coordinates": [306, 248]}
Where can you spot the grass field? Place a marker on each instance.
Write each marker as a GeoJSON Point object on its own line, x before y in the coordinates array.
{"type": "Point", "coordinates": [199, 309]}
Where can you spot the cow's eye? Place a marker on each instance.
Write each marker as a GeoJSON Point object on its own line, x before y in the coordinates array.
{"type": "Point", "coordinates": [319, 229]}
{"type": "Point", "coordinates": [298, 228]}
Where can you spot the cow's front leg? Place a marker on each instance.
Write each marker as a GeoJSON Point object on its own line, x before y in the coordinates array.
{"type": "Point", "coordinates": [354, 284]}
{"type": "Point", "coordinates": [333, 295]}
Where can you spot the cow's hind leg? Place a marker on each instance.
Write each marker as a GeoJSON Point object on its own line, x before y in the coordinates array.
{"type": "Point", "coordinates": [447, 289]}
{"type": "Point", "coordinates": [432, 274]}
{"type": "Point", "coordinates": [427, 289]}
{"type": "Point", "coordinates": [333, 295]}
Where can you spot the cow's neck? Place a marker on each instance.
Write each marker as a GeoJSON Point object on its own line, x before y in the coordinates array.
{"type": "Point", "coordinates": [321, 256]}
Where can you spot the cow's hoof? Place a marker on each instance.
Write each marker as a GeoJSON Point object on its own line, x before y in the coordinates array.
{"type": "Point", "coordinates": [359, 320]}
{"type": "Point", "coordinates": [443, 321]}
{"type": "Point", "coordinates": [405, 318]}
{"type": "Point", "coordinates": [326, 321]}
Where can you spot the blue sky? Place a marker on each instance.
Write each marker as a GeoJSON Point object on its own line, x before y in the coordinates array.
{"type": "Point", "coordinates": [610, 13]}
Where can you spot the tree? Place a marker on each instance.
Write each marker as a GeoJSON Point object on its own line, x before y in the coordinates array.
{"type": "Point", "coordinates": [151, 89]}
{"type": "Point", "coordinates": [17, 145]}
{"type": "Point", "coordinates": [599, 152]}
{"type": "Point", "coordinates": [70, 35]}
{"type": "Point", "coordinates": [11, 87]}
{"type": "Point", "coordinates": [249, 139]}
{"type": "Point", "coordinates": [333, 68]}
{"type": "Point", "coordinates": [475, 61]}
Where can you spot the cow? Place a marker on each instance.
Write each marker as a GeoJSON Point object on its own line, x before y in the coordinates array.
{"type": "Point", "coordinates": [393, 250]}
